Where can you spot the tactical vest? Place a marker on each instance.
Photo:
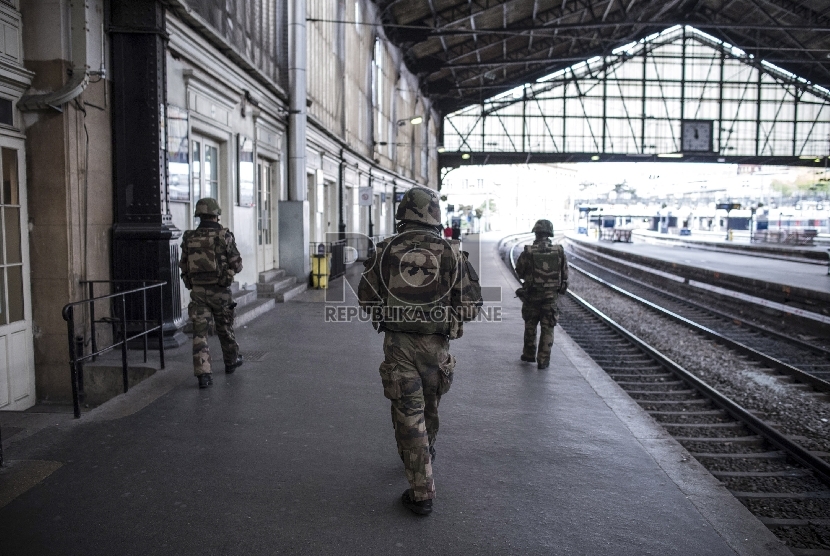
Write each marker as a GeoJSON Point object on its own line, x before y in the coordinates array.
{"type": "Point", "coordinates": [207, 257]}
{"type": "Point", "coordinates": [546, 277]}
{"type": "Point", "coordinates": [417, 270]}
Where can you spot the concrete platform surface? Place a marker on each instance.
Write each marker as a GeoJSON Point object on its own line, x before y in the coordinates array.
{"type": "Point", "coordinates": [797, 274]}
{"type": "Point", "coordinates": [295, 454]}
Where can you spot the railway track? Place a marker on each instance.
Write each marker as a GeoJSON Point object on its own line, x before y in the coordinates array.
{"type": "Point", "coordinates": [804, 361]}
{"type": "Point", "coordinates": [782, 483]}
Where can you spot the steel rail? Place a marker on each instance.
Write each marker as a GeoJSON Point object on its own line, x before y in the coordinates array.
{"type": "Point", "coordinates": [676, 298]}
{"type": "Point", "coordinates": [815, 382]}
{"type": "Point", "coordinates": [776, 438]}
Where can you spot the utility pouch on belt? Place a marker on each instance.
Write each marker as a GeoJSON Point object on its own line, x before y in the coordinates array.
{"type": "Point", "coordinates": [445, 375]}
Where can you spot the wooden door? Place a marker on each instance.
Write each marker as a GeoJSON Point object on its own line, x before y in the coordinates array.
{"type": "Point", "coordinates": [17, 378]}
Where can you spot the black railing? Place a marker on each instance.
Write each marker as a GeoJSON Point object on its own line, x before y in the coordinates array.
{"type": "Point", "coordinates": [120, 330]}
{"type": "Point", "coordinates": [338, 258]}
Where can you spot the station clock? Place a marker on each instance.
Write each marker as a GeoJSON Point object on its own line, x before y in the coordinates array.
{"type": "Point", "coordinates": [696, 136]}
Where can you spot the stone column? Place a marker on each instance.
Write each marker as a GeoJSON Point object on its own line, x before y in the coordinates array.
{"type": "Point", "coordinates": [145, 241]}
{"type": "Point", "coordinates": [294, 218]}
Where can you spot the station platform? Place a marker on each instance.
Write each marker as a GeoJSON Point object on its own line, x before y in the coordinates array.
{"type": "Point", "coordinates": [295, 454]}
{"type": "Point", "coordinates": [817, 253]}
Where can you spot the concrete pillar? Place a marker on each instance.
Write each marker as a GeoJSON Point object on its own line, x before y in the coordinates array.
{"type": "Point", "coordinates": [294, 213]}
{"type": "Point", "coordinates": [69, 179]}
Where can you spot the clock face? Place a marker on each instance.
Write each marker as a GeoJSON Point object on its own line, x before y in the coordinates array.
{"type": "Point", "coordinates": [696, 135]}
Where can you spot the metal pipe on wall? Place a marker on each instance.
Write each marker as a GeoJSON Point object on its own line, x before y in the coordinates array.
{"type": "Point", "coordinates": [297, 187]}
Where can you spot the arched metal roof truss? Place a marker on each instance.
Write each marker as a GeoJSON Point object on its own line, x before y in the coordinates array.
{"type": "Point", "coordinates": [677, 94]}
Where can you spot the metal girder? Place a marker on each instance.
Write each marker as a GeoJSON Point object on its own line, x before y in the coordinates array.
{"type": "Point", "coordinates": [455, 160]}
{"type": "Point", "coordinates": [771, 117]}
{"type": "Point", "coordinates": [462, 48]}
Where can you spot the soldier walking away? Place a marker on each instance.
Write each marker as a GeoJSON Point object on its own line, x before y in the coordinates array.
{"type": "Point", "coordinates": [209, 262]}
{"type": "Point", "coordinates": [419, 289]}
{"type": "Point", "coordinates": [543, 269]}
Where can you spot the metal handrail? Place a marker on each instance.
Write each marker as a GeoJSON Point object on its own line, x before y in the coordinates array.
{"type": "Point", "coordinates": [76, 358]}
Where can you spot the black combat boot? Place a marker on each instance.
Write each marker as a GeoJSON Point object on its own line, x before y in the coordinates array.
{"type": "Point", "coordinates": [205, 380]}
{"type": "Point", "coordinates": [423, 507]}
{"type": "Point", "coordinates": [229, 369]}
{"type": "Point", "coordinates": [543, 365]}
{"type": "Point", "coordinates": [527, 359]}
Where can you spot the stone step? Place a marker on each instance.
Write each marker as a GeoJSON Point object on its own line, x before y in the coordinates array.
{"type": "Point", "coordinates": [294, 290]}
{"type": "Point", "coordinates": [244, 297]}
{"type": "Point", "coordinates": [269, 288]}
{"type": "Point", "coordinates": [252, 311]}
{"type": "Point", "coordinates": [270, 275]}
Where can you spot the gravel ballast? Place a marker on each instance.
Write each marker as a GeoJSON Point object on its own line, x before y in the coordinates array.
{"type": "Point", "coordinates": [792, 409]}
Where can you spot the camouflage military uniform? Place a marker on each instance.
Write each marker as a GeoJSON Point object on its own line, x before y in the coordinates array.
{"type": "Point", "coordinates": [543, 282]}
{"type": "Point", "coordinates": [208, 298]}
{"type": "Point", "coordinates": [420, 289]}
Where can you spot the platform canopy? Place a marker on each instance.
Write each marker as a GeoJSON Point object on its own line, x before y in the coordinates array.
{"type": "Point", "coordinates": [570, 80]}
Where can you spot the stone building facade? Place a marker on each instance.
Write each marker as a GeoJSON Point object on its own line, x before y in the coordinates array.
{"type": "Point", "coordinates": [122, 113]}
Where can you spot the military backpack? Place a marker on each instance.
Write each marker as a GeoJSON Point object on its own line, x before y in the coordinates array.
{"type": "Point", "coordinates": [546, 277]}
{"type": "Point", "coordinates": [417, 276]}
{"type": "Point", "coordinates": [207, 257]}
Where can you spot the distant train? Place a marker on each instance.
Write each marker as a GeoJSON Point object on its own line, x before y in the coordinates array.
{"type": "Point", "coordinates": [706, 219]}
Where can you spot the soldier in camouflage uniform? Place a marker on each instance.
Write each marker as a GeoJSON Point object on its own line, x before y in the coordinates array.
{"type": "Point", "coordinates": [209, 262]}
{"type": "Point", "coordinates": [543, 269]}
{"type": "Point", "coordinates": [420, 289]}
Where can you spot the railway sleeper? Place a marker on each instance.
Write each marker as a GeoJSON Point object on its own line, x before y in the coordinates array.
{"type": "Point", "coordinates": [785, 474]}
{"type": "Point", "coordinates": [690, 417]}
{"type": "Point", "coordinates": [751, 455]}
{"type": "Point", "coordinates": [610, 360]}
{"type": "Point", "coordinates": [782, 522]}
{"type": "Point", "coordinates": [652, 380]}
{"type": "Point", "coordinates": [813, 495]}
{"type": "Point", "coordinates": [634, 366]}
{"type": "Point", "coordinates": [690, 413]}
{"type": "Point", "coordinates": [651, 368]}
{"type": "Point", "coordinates": [728, 425]}
{"type": "Point", "coordinates": [652, 405]}
{"type": "Point", "coordinates": [731, 441]}
{"type": "Point", "coordinates": [671, 393]}
{"type": "Point", "coordinates": [708, 431]}
{"type": "Point", "coordinates": [668, 384]}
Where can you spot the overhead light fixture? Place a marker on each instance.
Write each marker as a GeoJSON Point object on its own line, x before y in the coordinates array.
{"type": "Point", "coordinates": [595, 157]}
{"type": "Point", "coordinates": [414, 120]}
{"type": "Point", "coordinates": [465, 156]}
{"type": "Point", "coordinates": [807, 157]}
{"type": "Point", "coordinates": [670, 155]}
{"type": "Point", "coordinates": [441, 149]}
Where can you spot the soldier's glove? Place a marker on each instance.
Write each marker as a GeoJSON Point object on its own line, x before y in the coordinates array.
{"type": "Point", "coordinates": [521, 294]}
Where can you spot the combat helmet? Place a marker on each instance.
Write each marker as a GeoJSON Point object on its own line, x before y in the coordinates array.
{"type": "Point", "coordinates": [208, 206]}
{"type": "Point", "coordinates": [420, 204]}
{"type": "Point", "coordinates": [543, 227]}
